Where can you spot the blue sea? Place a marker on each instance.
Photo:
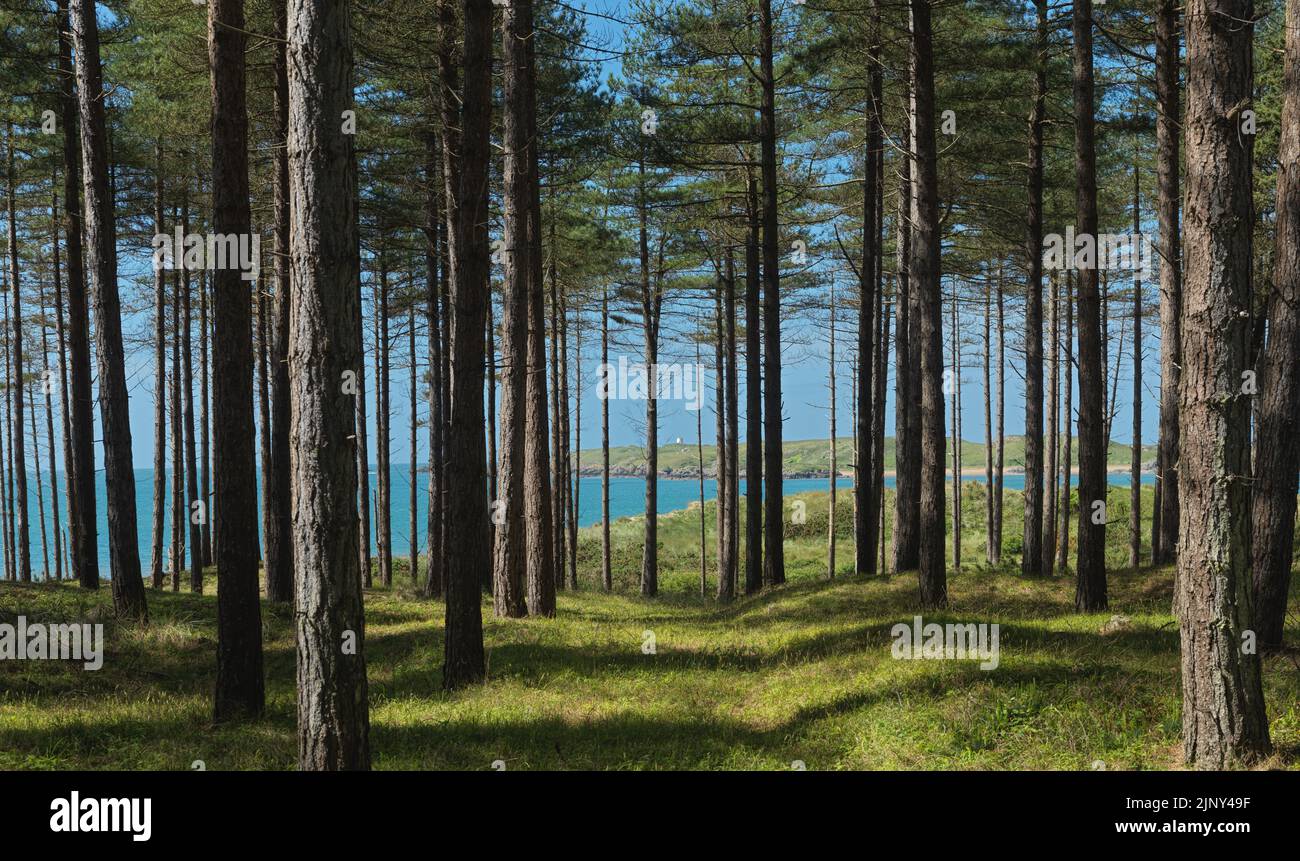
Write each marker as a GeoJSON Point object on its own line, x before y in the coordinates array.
{"type": "Point", "coordinates": [626, 498]}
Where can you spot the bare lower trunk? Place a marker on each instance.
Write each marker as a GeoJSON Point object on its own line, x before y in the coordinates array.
{"type": "Point", "coordinates": [1048, 563]}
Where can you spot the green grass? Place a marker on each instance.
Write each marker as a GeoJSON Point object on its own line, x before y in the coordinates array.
{"type": "Point", "coordinates": [813, 456]}
{"type": "Point", "coordinates": [801, 672]}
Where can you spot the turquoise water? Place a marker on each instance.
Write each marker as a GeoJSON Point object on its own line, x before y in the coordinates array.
{"type": "Point", "coordinates": [626, 498]}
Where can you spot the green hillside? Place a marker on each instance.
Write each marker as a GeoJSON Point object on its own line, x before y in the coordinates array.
{"type": "Point", "coordinates": [813, 456]}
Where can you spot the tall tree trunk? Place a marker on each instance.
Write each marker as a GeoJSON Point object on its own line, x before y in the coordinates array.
{"type": "Point", "coordinates": [1168, 128]}
{"type": "Point", "coordinates": [333, 709]}
{"type": "Point", "coordinates": [989, 530]}
{"type": "Point", "coordinates": [178, 465]}
{"type": "Point", "coordinates": [47, 385]}
{"type": "Point", "coordinates": [699, 451]}
{"type": "Point", "coordinates": [240, 687]}
{"type": "Point", "coordinates": [383, 434]}
{"type": "Point", "coordinates": [538, 500]}
{"type": "Point", "coordinates": [279, 538]}
{"type": "Point", "coordinates": [101, 244]}
{"type": "Point", "coordinates": [40, 493]}
{"type": "Point", "coordinates": [80, 420]}
{"type": "Point", "coordinates": [830, 509]}
{"type": "Point", "coordinates": [1047, 565]}
{"type": "Point", "coordinates": [729, 355]}
{"type": "Point", "coordinates": [1276, 452]}
{"type": "Point", "coordinates": [1000, 459]}
{"type": "Point", "coordinates": [382, 429]}
{"type": "Point", "coordinates": [1090, 592]}
{"type": "Point", "coordinates": [1034, 555]}
{"type": "Point", "coordinates": [205, 460]}
{"type": "Point", "coordinates": [606, 570]}
{"type": "Point", "coordinates": [865, 525]}
{"type": "Point", "coordinates": [509, 562]}
{"type": "Point", "coordinates": [1135, 467]}
{"type": "Point", "coordinates": [160, 379]}
{"type": "Point", "coordinates": [924, 270]}
{"type": "Point", "coordinates": [726, 577]}
{"type": "Point", "coordinates": [65, 420]}
{"type": "Point", "coordinates": [907, 383]}
{"type": "Point", "coordinates": [490, 335]}
{"type": "Point", "coordinates": [21, 519]}
{"type": "Point", "coordinates": [196, 511]}
{"type": "Point", "coordinates": [773, 499]}
{"type": "Point", "coordinates": [265, 457]}
{"type": "Point", "coordinates": [558, 438]}
{"type": "Point", "coordinates": [1224, 723]}
{"type": "Point", "coordinates": [574, 458]}
{"type": "Point", "coordinates": [467, 516]}
{"type": "Point", "coordinates": [324, 350]}
{"type": "Point", "coordinates": [650, 304]}
{"type": "Point", "coordinates": [414, 560]}
{"type": "Point", "coordinates": [1067, 442]}
{"type": "Point", "coordinates": [435, 584]}
{"type": "Point", "coordinates": [956, 438]}
{"type": "Point", "coordinates": [363, 449]}
{"type": "Point", "coordinates": [753, 399]}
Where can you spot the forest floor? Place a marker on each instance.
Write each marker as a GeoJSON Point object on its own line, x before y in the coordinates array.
{"type": "Point", "coordinates": [802, 673]}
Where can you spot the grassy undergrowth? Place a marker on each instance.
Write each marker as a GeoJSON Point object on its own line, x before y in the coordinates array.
{"type": "Point", "coordinates": [800, 672]}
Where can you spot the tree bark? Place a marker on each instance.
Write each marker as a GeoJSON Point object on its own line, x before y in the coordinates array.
{"type": "Point", "coordinates": [384, 473]}
{"type": "Point", "coordinates": [1135, 467]}
{"type": "Point", "coordinates": [101, 245]}
{"type": "Point", "coordinates": [606, 570]}
{"type": "Point", "coordinates": [1168, 128]}
{"type": "Point", "coordinates": [1034, 556]}
{"type": "Point", "coordinates": [773, 498]}
{"type": "Point", "coordinates": [866, 524]}
{"type": "Point", "coordinates": [510, 561]}
{"type": "Point", "coordinates": [160, 380]}
{"type": "Point", "coordinates": [279, 538]}
{"type": "Point", "coordinates": [1224, 723]}
{"type": "Point", "coordinates": [907, 390]}
{"type": "Point", "coordinates": [651, 302]}
{"type": "Point", "coordinates": [1090, 592]}
{"type": "Point", "coordinates": [1067, 442]}
{"type": "Point", "coordinates": [80, 419]}
{"type": "Point", "coordinates": [1047, 565]}
{"type": "Point", "coordinates": [21, 519]}
{"type": "Point", "coordinates": [240, 686]}
{"type": "Point", "coordinates": [753, 399]}
{"type": "Point", "coordinates": [538, 500]}
{"type": "Point", "coordinates": [924, 270]}
{"type": "Point", "coordinates": [1278, 404]}
{"type": "Point", "coordinates": [196, 511]}
{"type": "Point", "coordinates": [436, 582]}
